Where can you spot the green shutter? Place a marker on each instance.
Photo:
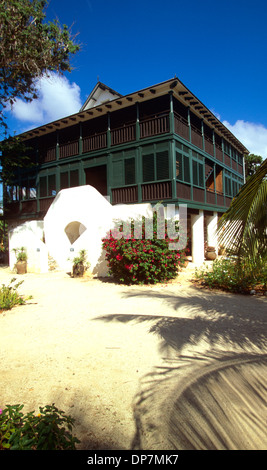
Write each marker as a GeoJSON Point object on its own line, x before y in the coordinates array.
{"type": "Point", "coordinates": [118, 173]}
{"type": "Point", "coordinates": [148, 167]}
{"type": "Point", "coordinates": [162, 162]}
{"type": "Point", "coordinates": [186, 169]}
{"type": "Point", "coordinates": [179, 166]}
{"type": "Point", "coordinates": [129, 170]}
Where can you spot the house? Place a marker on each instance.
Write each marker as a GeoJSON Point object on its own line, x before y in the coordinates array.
{"type": "Point", "coordinates": [160, 143]}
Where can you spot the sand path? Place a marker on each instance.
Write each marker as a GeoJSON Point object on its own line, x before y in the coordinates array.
{"type": "Point", "coordinates": [89, 346]}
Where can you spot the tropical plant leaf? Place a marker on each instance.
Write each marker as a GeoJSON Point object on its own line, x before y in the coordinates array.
{"type": "Point", "coordinates": [242, 228]}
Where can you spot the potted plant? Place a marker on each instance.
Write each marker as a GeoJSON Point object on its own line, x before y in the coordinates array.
{"type": "Point", "coordinates": [80, 264]}
{"type": "Point", "coordinates": [21, 257]}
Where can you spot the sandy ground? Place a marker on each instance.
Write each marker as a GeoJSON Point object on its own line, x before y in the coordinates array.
{"type": "Point", "coordinates": [116, 358]}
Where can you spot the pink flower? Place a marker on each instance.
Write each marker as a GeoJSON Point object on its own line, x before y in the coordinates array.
{"type": "Point", "coordinates": [1, 411]}
{"type": "Point", "coordinates": [119, 257]}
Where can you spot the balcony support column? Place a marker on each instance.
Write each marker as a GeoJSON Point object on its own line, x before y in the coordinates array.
{"type": "Point", "coordinates": [197, 231]}
{"type": "Point", "coordinates": [189, 124]}
{"type": "Point", "coordinates": [108, 133]}
{"type": "Point", "coordinates": [171, 114]}
{"type": "Point", "coordinates": [137, 129]}
{"type": "Point", "coordinates": [212, 222]}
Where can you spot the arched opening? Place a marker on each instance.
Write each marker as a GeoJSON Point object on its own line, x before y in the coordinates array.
{"type": "Point", "coordinates": [74, 230]}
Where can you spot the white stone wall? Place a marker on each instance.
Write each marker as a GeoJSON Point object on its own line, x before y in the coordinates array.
{"type": "Point", "coordinates": [29, 235]}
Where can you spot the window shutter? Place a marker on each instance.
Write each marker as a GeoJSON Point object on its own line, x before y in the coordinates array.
{"type": "Point", "coordinates": [118, 173]}
{"type": "Point", "coordinates": [186, 169]}
{"type": "Point", "coordinates": [162, 159]}
{"type": "Point", "coordinates": [129, 170]}
{"type": "Point", "coordinates": [148, 167]}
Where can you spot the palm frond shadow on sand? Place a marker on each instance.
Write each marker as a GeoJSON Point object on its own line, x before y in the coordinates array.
{"type": "Point", "coordinates": [204, 400]}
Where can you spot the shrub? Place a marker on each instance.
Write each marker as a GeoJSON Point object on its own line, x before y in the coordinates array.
{"type": "Point", "coordinates": [134, 259]}
{"type": "Point", "coordinates": [9, 297]}
{"type": "Point", "coordinates": [226, 274]}
{"type": "Point", "coordinates": [51, 429]}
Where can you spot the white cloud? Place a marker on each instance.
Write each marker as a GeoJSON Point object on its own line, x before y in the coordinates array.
{"type": "Point", "coordinates": [252, 135]}
{"type": "Point", "coordinates": [57, 98]}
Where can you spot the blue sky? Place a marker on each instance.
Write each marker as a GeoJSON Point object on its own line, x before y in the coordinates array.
{"type": "Point", "coordinates": [217, 49]}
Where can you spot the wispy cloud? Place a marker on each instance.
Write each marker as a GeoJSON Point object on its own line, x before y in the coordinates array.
{"type": "Point", "coordinates": [252, 135]}
{"type": "Point", "coordinates": [57, 98]}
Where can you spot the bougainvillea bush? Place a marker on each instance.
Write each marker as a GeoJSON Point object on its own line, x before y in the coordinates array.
{"type": "Point", "coordinates": [136, 259]}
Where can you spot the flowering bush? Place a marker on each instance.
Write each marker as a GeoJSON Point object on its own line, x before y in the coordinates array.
{"type": "Point", "coordinates": [49, 430]}
{"type": "Point", "coordinates": [135, 259]}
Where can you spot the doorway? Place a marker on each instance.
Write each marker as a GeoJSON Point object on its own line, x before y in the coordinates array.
{"type": "Point", "coordinates": [97, 177]}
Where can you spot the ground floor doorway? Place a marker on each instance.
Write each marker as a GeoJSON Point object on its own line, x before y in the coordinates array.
{"type": "Point", "coordinates": [97, 177]}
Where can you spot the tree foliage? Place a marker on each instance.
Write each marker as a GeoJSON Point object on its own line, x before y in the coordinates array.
{"type": "Point", "coordinates": [252, 163]}
{"type": "Point", "coordinates": [29, 48]}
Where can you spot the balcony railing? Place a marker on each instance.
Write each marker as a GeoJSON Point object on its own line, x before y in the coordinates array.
{"type": "Point", "coordinates": [157, 191]}
{"type": "Point", "coordinates": [69, 149]}
{"type": "Point", "coordinates": [47, 154]}
{"type": "Point", "coordinates": [181, 126]}
{"type": "Point", "coordinates": [95, 142]}
{"type": "Point", "coordinates": [123, 134]}
{"type": "Point", "coordinates": [218, 152]}
{"type": "Point", "coordinates": [154, 126]}
{"type": "Point", "coordinates": [126, 195]}
{"type": "Point", "coordinates": [196, 137]}
{"type": "Point", "coordinates": [209, 147]}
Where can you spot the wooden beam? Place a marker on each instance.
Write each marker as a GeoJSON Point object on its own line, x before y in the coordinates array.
{"type": "Point", "coordinates": [173, 84]}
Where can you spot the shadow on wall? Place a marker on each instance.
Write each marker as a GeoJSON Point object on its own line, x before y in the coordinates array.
{"type": "Point", "coordinates": [211, 393]}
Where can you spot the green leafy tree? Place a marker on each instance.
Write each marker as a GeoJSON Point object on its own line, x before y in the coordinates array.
{"type": "Point", "coordinates": [252, 163]}
{"type": "Point", "coordinates": [30, 47]}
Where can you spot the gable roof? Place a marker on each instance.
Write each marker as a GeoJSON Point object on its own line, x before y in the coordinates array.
{"type": "Point", "coordinates": [99, 95]}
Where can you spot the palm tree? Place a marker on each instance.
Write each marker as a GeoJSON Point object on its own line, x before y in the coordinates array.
{"type": "Point", "coordinates": [243, 227]}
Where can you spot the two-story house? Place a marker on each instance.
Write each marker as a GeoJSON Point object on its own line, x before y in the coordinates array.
{"type": "Point", "coordinates": [160, 143]}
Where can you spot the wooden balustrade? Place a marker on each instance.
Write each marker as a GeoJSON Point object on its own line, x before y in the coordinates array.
{"type": "Point", "coordinates": [181, 126]}
{"type": "Point", "coordinates": [154, 126]}
{"type": "Point", "coordinates": [196, 137]}
{"type": "Point", "coordinates": [157, 191]}
{"type": "Point", "coordinates": [69, 149]}
{"type": "Point", "coordinates": [123, 134]}
{"type": "Point", "coordinates": [209, 147]}
{"type": "Point", "coordinates": [218, 153]}
{"type": "Point", "coordinates": [95, 142]}
{"type": "Point", "coordinates": [128, 194]}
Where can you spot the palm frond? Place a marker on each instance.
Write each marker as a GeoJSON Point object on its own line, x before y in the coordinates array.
{"type": "Point", "coordinates": [243, 225]}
